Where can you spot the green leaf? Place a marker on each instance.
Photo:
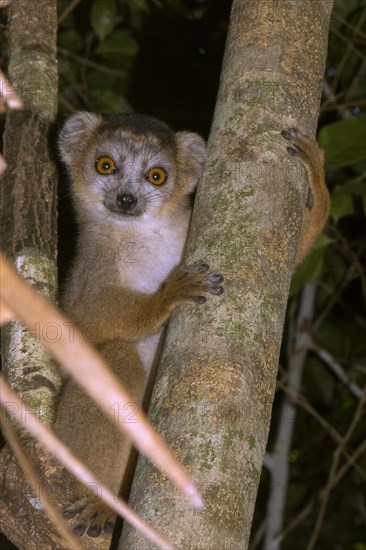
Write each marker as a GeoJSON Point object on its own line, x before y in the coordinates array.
{"type": "Point", "coordinates": [71, 40]}
{"type": "Point", "coordinates": [318, 381]}
{"type": "Point", "coordinates": [344, 142]}
{"type": "Point", "coordinates": [296, 493]}
{"type": "Point", "coordinates": [342, 338]}
{"type": "Point", "coordinates": [68, 22]}
{"type": "Point", "coordinates": [343, 196]}
{"type": "Point", "coordinates": [311, 265]}
{"type": "Point", "coordinates": [121, 43]}
{"type": "Point", "coordinates": [141, 5]}
{"type": "Point", "coordinates": [334, 271]}
{"type": "Point", "coordinates": [103, 17]}
{"type": "Point", "coordinates": [109, 102]}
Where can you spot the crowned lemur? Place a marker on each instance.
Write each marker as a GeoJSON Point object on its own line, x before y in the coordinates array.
{"type": "Point", "coordinates": [132, 180]}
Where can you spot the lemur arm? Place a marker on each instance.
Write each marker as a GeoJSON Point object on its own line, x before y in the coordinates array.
{"type": "Point", "coordinates": [318, 201]}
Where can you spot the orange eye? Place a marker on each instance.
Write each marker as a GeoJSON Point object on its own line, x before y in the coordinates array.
{"type": "Point", "coordinates": [157, 176]}
{"type": "Point", "coordinates": [105, 166]}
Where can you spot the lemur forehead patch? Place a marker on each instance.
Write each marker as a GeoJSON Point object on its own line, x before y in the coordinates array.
{"type": "Point", "coordinates": [139, 127]}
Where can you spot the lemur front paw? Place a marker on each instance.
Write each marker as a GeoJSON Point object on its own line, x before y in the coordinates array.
{"type": "Point", "coordinates": [303, 147]}
{"type": "Point", "coordinates": [189, 283]}
{"type": "Point", "coordinates": [90, 518]}
{"type": "Point", "coordinates": [307, 151]}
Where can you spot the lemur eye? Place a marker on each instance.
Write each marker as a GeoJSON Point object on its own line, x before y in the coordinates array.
{"type": "Point", "coordinates": [105, 166]}
{"type": "Point", "coordinates": [157, 176]}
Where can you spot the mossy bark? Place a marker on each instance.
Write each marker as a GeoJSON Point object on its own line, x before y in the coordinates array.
{"type": "Point", "coordinates": [29, 238]}
{"type": "Point", "coordinates": [213, 396]}
{"type": "Point", "coordinates": [29, 191]}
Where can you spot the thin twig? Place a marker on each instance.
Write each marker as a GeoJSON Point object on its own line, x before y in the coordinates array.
{"type": "Point", "coordinates": [350, 47]}
{"type": "Point", "coordinates": [335, 297]}
{"type": "Point", "coordinates": [332, 476]}
{"type": "Point", "coordinates": [351, 462]}
{"type": "Point", "coordinates": [257, 537]}
{"type": "Point", "coordinates": [328, 428]}
{"type": "Point", "coordinates": [92, 64]}
{"type": "Point", "coordinates": [355, 30]}
{"type": "Point", "coordinates": [297, 520]}
{"type": "Point", "coordinates": [68, 10]}
{"type": "Point", "coordinates": [337, 369]}
{"type": "Point", "coordinates": [67, 104]}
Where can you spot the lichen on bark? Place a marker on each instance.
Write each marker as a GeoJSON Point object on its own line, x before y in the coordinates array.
{"type": "Point", "coordinates": [29, 239]}
{"type": "Point", "coordinates": [213, 395]}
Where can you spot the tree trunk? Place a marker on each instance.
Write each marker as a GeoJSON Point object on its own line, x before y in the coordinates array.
{"type": "Point", "coordinates": [213, 397]}
{"type": "Point", "coordinates": [29, 238]}
{"type": "Point", "coordinates": [29, 189]}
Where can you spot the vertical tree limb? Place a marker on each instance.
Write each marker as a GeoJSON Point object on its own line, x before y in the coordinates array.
{"type": "Point", "coordinates": [28, 236]}
{"type": "Point", "coordinates": [29, 190]}
{"type": "Point", "coordinates": [216, 383]}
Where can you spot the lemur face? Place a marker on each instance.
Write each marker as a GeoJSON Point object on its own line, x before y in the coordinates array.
{"type": "Point", "coordinates": [125, 169]}
{"type": "Point", "coordinates": [130, 175]}
{"type": "Point", "coordinates": [128, 168]}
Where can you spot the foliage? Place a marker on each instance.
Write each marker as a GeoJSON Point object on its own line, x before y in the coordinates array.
{"type": "Point", "coordinates": [333, 383]}
{"type": "Point", "coordinates": [146, 55]}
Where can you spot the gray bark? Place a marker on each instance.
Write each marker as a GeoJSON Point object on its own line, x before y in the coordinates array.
{"type": "Point", "coordinates": [29, 223]}
{"type": "Point", "coordinates": [29, 191]}
{"type": "Point", "coordinates": [213, 396]}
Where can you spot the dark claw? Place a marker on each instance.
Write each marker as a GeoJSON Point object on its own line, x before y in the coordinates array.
{"type": "Point", "coordinates": [215, 278]}
{"type": "Point", "coordinates": [217, 290]}
{"type": "Point", "coordinates": [290, 134]}
{"type": "Point", "coordinates": [199, 299]}
{"type": "Point", "coordinates": [79, 528]}
{"type": "Point", "coordinates": [310, 200]}
{"type": "Point", "coordinates": [69, 513]}
{"type": "Point", "coordinates": [194, 269]}
{"type": "Point", "coordinates": [72, 510]}
{"type": "Point", "coordinates": [108, 527]}
{"type": "Point", "coordinates": [292, 151]}
{"type": "Point", "coordinates": [94, 531]}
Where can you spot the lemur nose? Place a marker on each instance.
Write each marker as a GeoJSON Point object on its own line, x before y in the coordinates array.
{"type": "Point", "coordinates": [126, 201]}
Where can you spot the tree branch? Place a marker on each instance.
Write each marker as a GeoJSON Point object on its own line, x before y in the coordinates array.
{"type": "Point", "coordinates": [215, 387]}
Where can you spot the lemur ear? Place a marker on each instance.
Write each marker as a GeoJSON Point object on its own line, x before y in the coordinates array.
{"type": "Point", "coordinates": [75, 134]}
{"type": "Point", "coordinates": [191, 156]}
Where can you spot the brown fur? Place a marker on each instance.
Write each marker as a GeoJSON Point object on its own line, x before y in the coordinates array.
{"type": "Point", "coordinates": [318, 203]}
{"type": "Point", "coordinates": [125, 282]}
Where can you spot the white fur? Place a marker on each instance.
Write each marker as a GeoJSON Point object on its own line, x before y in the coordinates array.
{"type": "Point", "coordinates": [158, 249]}
{"type": "Point", "coordinates": [160, 245]}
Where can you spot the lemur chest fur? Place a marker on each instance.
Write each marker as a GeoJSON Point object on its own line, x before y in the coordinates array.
{"type": "Point", "coordinates": [145, 258]}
